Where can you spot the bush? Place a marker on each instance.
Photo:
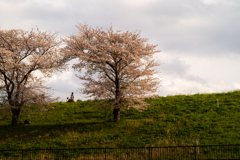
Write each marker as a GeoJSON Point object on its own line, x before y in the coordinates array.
{"type": "Point", "coordinates": [70, 100]}
{"type": "Point", "coordinates": [79, 100]}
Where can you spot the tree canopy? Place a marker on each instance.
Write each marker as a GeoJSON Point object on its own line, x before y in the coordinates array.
{"type": "Point", "coordinates": [21, 54]}
{"type": "Point", "coordinates": [122, 62]}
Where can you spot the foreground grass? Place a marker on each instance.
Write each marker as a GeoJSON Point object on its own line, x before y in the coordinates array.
{"type": "Point", "coordinates": [168, 121]}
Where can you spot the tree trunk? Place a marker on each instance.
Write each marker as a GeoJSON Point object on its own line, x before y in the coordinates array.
{"type": "Point", "coordinates": [116, 114]}
{"type": "Point", "coordinates": [15, 116]}
{"type": "Point", "coordinates": [116, 110]}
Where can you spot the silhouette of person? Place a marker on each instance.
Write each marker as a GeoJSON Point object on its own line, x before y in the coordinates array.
{"type": "Point", "coordinates": [72, 96]}
{"type": "Point", "coordinates": [26, 122]}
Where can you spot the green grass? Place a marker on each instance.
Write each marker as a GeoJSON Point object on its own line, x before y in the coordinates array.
{"type": "Point", "coordinates": [168, 121]}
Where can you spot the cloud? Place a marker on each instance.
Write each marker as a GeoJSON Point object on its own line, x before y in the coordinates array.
{"type": "Point", "coordinates": [174, 66]}
{"type": "Point", "coordinates": [177, 68]}
{"type": "Point", "coordinates": [194, 27]}
{"type": "Point", "coordinates": [175, 86]}
{"type": "Point", "coordinates": [236, 85]}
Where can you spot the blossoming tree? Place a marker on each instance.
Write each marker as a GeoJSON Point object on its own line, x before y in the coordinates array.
{"type": "Point", "coordinates": [122, 61]}
{"type": "Point", "coordinates": [21, 54]}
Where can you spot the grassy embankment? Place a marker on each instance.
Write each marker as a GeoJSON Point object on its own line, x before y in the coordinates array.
{"type": "Point", "coordinates": [168, 121]}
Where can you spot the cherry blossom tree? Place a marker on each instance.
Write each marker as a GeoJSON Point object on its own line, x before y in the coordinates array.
{"type": "Point", "coordinates": [122, 62]}
{"type": "Point", "coordinates": [22, 53]}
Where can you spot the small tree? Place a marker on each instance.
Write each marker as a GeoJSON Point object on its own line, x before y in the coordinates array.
{"type": "Point", "coordinates": [121, 60]}
{"type": "Point", "coordinates": [21, 54]}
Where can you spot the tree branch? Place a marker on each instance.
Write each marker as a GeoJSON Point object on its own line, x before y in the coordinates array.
{"type": "Point", "coordinates": [111, 66]}
{"type": "Point", "coordinates": [26, 75]}
{"type": "Point", "coordinates": [109, 77]}
{"type": "Point", "coordinates": [118, 61]}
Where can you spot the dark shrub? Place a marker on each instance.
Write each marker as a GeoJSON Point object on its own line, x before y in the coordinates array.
{"type": "Point", "coordinates": [70, 100]}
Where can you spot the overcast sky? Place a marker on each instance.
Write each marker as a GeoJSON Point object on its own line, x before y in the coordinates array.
{"type": "Point", "coordinates": [198, 39]}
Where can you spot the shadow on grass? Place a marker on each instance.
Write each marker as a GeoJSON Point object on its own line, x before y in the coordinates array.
{"type": "Point", "coordinates": [30, 132]}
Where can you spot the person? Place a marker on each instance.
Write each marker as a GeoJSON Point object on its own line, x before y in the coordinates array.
{"type": "Point", "coordinates": [72, 96]}
{"type": "Point", "coordinates": [26, 122]}
{"type": "Point", "coordinates": [67, 99]}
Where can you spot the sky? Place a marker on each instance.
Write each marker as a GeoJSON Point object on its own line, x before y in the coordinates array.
{"type": "Point", "coordinates": [199, 40]}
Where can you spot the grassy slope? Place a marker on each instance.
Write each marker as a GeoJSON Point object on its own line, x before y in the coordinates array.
{"type": "Point", "coordinates": [171, 120]}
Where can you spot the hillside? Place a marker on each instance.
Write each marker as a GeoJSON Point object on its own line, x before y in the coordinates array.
{"type": "Point", "coordinates": [168, 121]}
